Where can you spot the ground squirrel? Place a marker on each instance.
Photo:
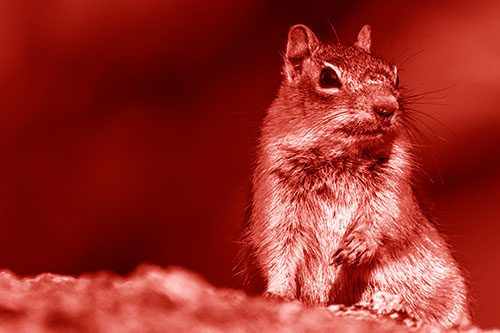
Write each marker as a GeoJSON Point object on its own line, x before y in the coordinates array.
{"type": "Point", "coordinates": [334, 216]}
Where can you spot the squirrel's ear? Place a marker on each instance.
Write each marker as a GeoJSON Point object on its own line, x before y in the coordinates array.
{"type": "Point", "coordinates": [301, 41]}
{"type": "Point", "coordinates": [364, 41]}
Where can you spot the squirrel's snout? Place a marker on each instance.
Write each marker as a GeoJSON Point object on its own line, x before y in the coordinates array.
{"type": "Point", "coordinates": [384, 110]}
{"type": "Point", "coordinates": [386, 107]}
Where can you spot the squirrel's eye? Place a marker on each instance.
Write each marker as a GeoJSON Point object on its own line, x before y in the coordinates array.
{"type": "Point", "coordinates": [397, 81]}
{"type": "Point", "coordinates": [329, 79]}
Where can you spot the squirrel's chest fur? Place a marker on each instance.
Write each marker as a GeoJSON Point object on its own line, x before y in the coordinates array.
{"type": "Point", "coordinates": [321, 197]}
{"type": "Point", "coordinates": [314, 200]}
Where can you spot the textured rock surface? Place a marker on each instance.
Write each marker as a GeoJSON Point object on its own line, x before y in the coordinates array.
{"type": "Point", "coordinates": [154, 299]}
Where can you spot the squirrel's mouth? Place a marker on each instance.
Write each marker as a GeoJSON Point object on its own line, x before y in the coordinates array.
{"type": "Point", "coordinates": [367, 131]}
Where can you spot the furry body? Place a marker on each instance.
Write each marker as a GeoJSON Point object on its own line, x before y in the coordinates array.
{"type": "Point", "coordinates": [334, 216]}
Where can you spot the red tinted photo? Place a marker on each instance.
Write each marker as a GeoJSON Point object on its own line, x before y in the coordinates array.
{"type": "Point", "coordinates": [203, 163]}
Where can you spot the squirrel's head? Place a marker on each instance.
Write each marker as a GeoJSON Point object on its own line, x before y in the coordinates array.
{"type": "Point", "coordinates": [337, 90]}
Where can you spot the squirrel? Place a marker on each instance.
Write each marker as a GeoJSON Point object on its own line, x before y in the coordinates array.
{"type": "Point", "coordinates": [334, 217]}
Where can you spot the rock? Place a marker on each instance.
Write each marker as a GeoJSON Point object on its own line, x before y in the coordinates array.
{"type": "Point", "coordinates": [173, 299]}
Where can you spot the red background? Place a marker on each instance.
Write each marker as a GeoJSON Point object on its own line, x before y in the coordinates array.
{"type": "Point", "coordinates": [127, 128]}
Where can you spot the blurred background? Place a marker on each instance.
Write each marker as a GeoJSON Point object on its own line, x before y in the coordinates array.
{"type": "Point", "coordinates": [127, 128]}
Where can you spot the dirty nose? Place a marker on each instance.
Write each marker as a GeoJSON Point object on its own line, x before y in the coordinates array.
{"type": "Point", "coordinates": [386, 107]}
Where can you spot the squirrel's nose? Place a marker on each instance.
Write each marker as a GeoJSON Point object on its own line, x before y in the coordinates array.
{"type": "Point", "coordinates": [386, 107]}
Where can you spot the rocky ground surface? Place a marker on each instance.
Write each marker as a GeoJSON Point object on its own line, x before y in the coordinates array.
{"type": "Point", "coordinates": [173, 299]}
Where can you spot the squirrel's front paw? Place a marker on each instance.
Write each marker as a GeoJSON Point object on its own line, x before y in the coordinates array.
{"type": "Point", "coordinates": [354, 250]}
